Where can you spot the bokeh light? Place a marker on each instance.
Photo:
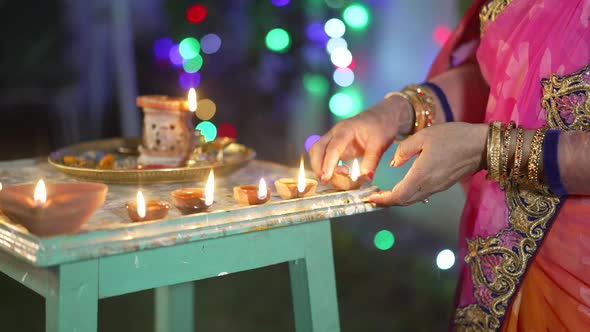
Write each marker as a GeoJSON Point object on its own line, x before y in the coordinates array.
{"type": "Point", "coordinates": [315, 32]}
{"type": "Point", "coordinates": [316, 84]}
{"type": "Point", "coordinates": [208, 130]}
{"type": "Point", "coordinates": [174, 56]}
{"type": "Point", "coordinates": [335, 28]}
{"type": "Point", "coordinates": [343, 77]}
{"type": "Point", "coordinates": [441, 34]}
{"type": "Point", "coordinates": [280, 3]}
{"type": "Point", "coordinates": [278, 40]}
{"type": "Point", "coordinates": [341, 104]}
{"type": "Point", "coordinates": [346, 103]}
{"type": "Point", "coordinates": [193, 65]}
{"type": "Point", "coordinates": [162, 48]}
{"type": "Point", "coordinates": [196, 14]}
{"type": "Point", "coordinates": [335, 43]}
{"type": "Point", "coordinates": [189, 80]}
{"type": "Point", "coordinates": [384, 240]}
{"type": "Point", "coordinates": [189, 48]}
{"type": "Point", "coordinates": [205, 109]}
{"type": "Point", "coordinates": [210, 43]}
{"type": "Point", "coordinates": [227, 130]}
{"type": "Point", "coordinates": [445, 259]}
{"type": "Point", "coordinates": [341, 57]}
{"type": "Point", "coordinates": [311, 141]}
{"type": "Point", "coordinates": [356, 16]}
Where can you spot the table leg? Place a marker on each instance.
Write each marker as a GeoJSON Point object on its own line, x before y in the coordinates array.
{"type": "Point", "coordinates": [72, 301]}
{"type": "Point", "coordinates": [175, 308]}
{"type": "Point", "coordinates": [313, 284]}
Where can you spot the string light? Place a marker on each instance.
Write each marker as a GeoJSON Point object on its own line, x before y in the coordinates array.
{"type": "Point", "coordinates": [189, 80]}
{"type": "Point", "coordinates": [280, 3]}
{"type": "Point", "coordinates": [316, 84]}
{"type": "Point", "coordinates": [335, 43]}
{"type": "Point", "coordinates": [356, 16]}
{"type": "Point", "coordinates": [227, 130]}
{"type": "Point", "coordinates": [341, 57]}
{"type": "Point", "coordinates": [208, 130]}
{"type": "Point", "coordinates": [335, 28]}
{"type": "Point", "coordinates": [193, 65]}
{"type": "Point", "coordinates": [343, 77]}
{"type": "Point", "coordinates": [210, 43]}
{"type": "Point", "coordinates": [445, 259]}
{"type": "Point", "coordinates": [441, 34]}
{"type": "Point", "coordinates": [196, 14]}
{"type": "Point", "coordinates": [174, 56]}
{"type": "Point", "coordinates": [189, 48]}
{"type": "Point", "coordinates": [206, 109]}
{"type": "Point", "coordinates": [278, 40]}
{"type": "Point", "coordinates": [162, 47]}
{"type": "Point", "coordinates": [384, 240]}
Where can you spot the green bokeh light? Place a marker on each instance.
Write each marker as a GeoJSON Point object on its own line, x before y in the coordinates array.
{"type": "Point", "coordinates": [346, 103]}
{"type": "Point", "coordinates": [193, 65]}
{"type": "Point", "coordinates": [316, 84]}
{"type": "Point", "coordinates": [278, 40]}
{"type": "Point", "coordinates": [356, 16]}
{"type": "Point", "coordinates": [384, 240]}
{"type": "Point", "coordinates": [189, 48]}
{"type": "Point", "coordinates": [208, 130]}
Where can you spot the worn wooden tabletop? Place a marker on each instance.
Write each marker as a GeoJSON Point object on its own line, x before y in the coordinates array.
{"type": "Point", "coordinates": [109, 231]}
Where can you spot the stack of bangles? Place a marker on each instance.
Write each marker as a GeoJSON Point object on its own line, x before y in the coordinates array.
{"type": "Point", "coordinates": [534, 163]}
{"type": "Point", "coordinates": [420, 98]}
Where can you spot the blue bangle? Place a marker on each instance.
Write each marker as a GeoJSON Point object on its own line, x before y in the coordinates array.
{"type": "Point", "coordinates": [443, 100]}
{"type": "Point", "coordinates": [550, 162]}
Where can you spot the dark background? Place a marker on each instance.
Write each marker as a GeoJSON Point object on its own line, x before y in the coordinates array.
{"type": "Point", "coordinates": [60, 78]}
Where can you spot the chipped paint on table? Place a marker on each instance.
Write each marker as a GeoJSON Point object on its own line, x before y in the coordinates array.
{"type": "Point", "coordinates": [109, 231]}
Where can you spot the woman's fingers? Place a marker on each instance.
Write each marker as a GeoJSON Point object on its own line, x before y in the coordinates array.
{"type": "Point", "coordinates": [373, 153]}
{"type": "Point", "coordinates": [334, 151]}
{"type": "Point", "coordinates": [317, 152]}
{"type": "Point", "coordinates": [408, 148]}
{"type": "Point", "coordinates": [406, 192]}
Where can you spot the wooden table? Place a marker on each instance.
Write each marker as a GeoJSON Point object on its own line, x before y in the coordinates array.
{"type": "Point", "coordinates": [110, 256]}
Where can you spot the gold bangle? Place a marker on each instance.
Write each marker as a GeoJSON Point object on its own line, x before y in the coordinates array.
{"type": "Point", "coordinates": [535, 156]}
{"type": "Point", "coordinates": [518, 153]}
{"type": "Point", "coordinates": [506, 154]}
{"type": "Point", "coordinates": [495, 150]}
{"type": "Point", "coordinates": [423, 105]}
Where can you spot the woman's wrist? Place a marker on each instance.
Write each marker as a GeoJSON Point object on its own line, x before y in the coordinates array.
{"type": "Point", "coordinates": [400, 114]}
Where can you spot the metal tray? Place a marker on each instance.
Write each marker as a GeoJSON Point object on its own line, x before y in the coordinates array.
{"type": "Point", "coordinates": [235, 156]}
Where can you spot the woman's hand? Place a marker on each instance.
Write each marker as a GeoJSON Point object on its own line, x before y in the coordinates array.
{"type": "Point", "coordinates": [446, 154]}
{"type": "Point", "coordinates": [369, 134]}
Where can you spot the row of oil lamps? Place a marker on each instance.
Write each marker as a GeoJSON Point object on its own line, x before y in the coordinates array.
{"type": "Point", "coordinates": [195, 200]}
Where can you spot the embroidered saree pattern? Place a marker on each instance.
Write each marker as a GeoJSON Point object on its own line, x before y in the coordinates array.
{"type": "Point", "coordinates": [567, 100]}
{"type": "Point", "coordinates": [498, 262]}
{"type": "Point", "coordinates": [506, 231]}
{"type": "Point", "coordinates": [490, 11]}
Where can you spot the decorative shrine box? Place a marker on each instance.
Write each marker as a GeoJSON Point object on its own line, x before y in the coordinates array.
{"type": "Point", "coordinates": [168, 131]}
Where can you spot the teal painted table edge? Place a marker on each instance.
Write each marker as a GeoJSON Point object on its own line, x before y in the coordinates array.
{"type": "Point", "coordinates": [73, 271]}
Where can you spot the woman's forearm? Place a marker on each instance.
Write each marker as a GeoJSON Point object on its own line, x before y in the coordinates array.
{"type": "Point", "coordinates": [574, 162]}
{"type": "Point", "coordinates": [466, 91]}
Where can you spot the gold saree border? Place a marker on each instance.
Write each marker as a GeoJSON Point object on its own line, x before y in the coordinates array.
{"type": "Point", "coordinates": [490, 12]}
{"type": "Point", "coordinates": [499, 262]}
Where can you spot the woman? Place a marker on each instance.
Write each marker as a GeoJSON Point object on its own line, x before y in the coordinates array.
{"type": "Point", "coordinates": [511, 119]}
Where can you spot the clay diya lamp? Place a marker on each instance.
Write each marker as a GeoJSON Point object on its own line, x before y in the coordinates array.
{"type": "Point", "coordinates": [252, 194]}
{"type": "Point", "coordinates": [140, 210]}
{"type": "Point", "coordinates": [53, 208]}
{"type": "Point", "coordinates": [350, 181]}
{"type": "Point", "coordinates": [289, 188]}
{"type": "Point", "coordinates": [194, 200]}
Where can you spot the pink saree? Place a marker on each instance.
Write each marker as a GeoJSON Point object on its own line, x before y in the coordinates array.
{"type": "Point", "coordinates": [527, 252]}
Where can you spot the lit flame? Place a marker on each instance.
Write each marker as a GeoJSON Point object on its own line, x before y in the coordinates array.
{"type": "Point", "coordinates": [301, 177]}
{"type": "Point", "coordinates": [209, 189]}
{"type": "Point", "coordinates": [0, 185]}
{"type": "Point", "coordinates": [40, 195]}
{"type": "Point", "coordinates": [192, 100]}
{"type": "Point", "coordinates": [355, 172]}
{"type": "Point", "coordinates": [140, 205]}
{"type": "Point", "coordinates": [262, 190]}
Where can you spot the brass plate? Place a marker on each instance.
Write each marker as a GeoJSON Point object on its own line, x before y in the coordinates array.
{"type": "Point", "coordinates": [235, 157]}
